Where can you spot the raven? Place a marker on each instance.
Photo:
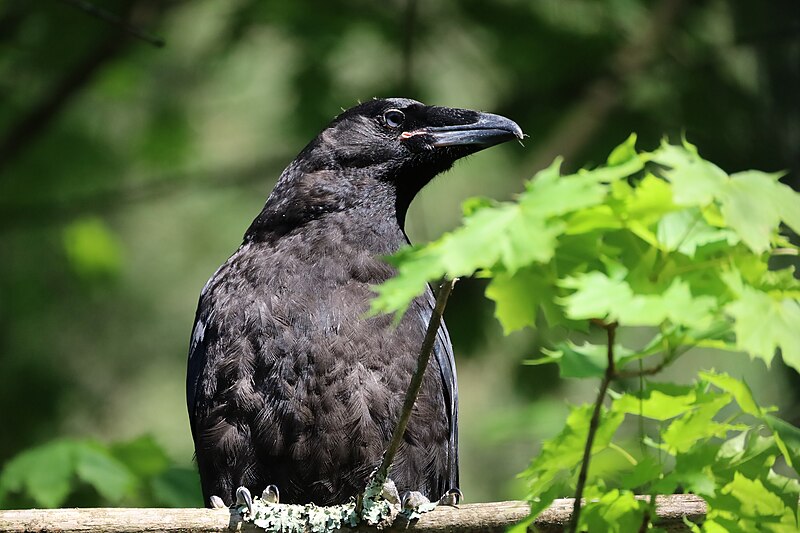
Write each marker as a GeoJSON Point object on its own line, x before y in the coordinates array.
{"type": "Point", "coordinates": [288, 383]}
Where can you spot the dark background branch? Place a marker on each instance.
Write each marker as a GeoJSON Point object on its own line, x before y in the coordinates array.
{"type": "Point", "coordinates": [112, 18]}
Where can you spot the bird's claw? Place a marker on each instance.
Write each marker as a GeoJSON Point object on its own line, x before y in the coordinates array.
{"type": "Point", "coordinates": [243, 497]}
{"type": "Point", "coordinates": [413, 504]}
{"type": "Point", "coordinates": [271, 494]}
{"type": "Point", "coordinates": [412, 500]}
{"type": "Point", "coordinates": [451, 498]}
{"type": "Point", "coordinates": [217, 503]}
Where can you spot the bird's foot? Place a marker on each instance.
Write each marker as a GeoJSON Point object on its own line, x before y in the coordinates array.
{"type": "Point", "coordinates": [217, 503]}
{"type": "Point", "coordinates": [451, 498]}
{"type": "Point", "coordinates": [271, 494]}
{"type": "Point", "coordinates": [243, 497]}
{"type": "Point", "coordinates": [414, 503]}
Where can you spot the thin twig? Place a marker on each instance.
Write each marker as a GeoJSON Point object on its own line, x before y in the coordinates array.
{"type": "Point", "coordinates": [113, 18]}
{"type": "Point", "coordinates": [416, 380]}
{"type": "Point", "coordinates": [622, 374]}
{"type": "Point", "coordinates": [611, 330]}
{"type": "Point", "coordinates": [674, 355]}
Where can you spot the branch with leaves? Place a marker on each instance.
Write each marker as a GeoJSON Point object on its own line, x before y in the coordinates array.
{"type": "Point", "coordinates": [662, 240]}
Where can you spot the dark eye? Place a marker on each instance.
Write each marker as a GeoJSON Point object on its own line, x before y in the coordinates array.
{"type": "Point", "coordinates": [394, 118]}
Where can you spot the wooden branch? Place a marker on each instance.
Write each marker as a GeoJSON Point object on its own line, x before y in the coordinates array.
{"type": "Point", "coordinates": [484, 517]}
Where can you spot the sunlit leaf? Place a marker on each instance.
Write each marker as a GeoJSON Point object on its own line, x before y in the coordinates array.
{"type": "Point", "coordinates": [519, 296]}
{"type": "Point", "coordinates": [650, 200]}
{"type": "Point", "coordinates": [616, 512]}
{"type": "Point", "coordinates": [764, 324]}
{"type": "Point", "coordinates": [624, 152]}
{"type": "Point", "coordinates": [748, 207]}
{"type": "Point", "coordinates": [599, 296]}
{"type": "Point", "coordinates": [750, 498]}
{"type": "Point", "coordinates": [568, 194]}
{"type": "Point", "coordinates": [738, 389]}
{"type": "Point", "coordinates": [654, 404]}
{"type": "Point", "coordinates": [694, 180]}
{"type": "Point", "coordinates": [697, 423]}
{"type": "Point", "coordinates": [686, 230]}
{"type": "Point", "coordinates": [790, 437]}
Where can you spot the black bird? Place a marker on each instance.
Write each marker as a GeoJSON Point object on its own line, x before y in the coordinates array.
{"type": "Point", "coordinates": [288, 383]}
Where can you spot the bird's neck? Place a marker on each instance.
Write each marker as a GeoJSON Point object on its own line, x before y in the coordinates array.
{"type": "Point", "coordinates": [321, 197]}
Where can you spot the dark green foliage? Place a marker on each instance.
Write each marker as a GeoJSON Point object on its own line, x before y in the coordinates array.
{"type": "Point", "coordinates": [70, 472]}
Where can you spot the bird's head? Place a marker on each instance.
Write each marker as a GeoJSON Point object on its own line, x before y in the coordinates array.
{"type": "Point", "coordinates": [391, 146]}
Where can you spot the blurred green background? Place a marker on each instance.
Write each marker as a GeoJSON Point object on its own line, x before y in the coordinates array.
{"type": "Point", "coordinates": [129, 172]}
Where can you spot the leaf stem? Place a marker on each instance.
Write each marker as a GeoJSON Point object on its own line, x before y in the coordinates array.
{"type": "Point", "coordinates": [623, 452]}
{"type": "Point", "coordinates": [416, 380]}
{"type": "Point", "coordinates": [594, 423]}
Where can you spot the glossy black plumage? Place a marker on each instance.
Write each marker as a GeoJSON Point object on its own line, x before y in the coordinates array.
{"type": "Point", "coordinates": [287, 383]}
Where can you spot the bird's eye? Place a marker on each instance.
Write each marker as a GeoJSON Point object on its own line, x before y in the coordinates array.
{"type": "Point", "coordinates": [394, 118]}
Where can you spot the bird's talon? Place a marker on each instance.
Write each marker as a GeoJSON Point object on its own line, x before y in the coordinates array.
{"type": "Point", "coordinates": [217, 503]}
{"type": "Point", "coordinates": [271, 494]}
{"type": "Point", "coordinates": [451, 498]}
{"type": "Point", "coordinates": [413, 499]}
{"type": "Point", "coordinates": [389, 492]}
{"type": "Point", "coordinates": [243, 497]}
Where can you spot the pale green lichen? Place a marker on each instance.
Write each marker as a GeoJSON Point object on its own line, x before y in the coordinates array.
{"type": "Point", "coordinates": [380, 503]}
{"type": "Point", "coordinates": [290, 518]}
{"type": "Point", "coordinates": [380, 506]}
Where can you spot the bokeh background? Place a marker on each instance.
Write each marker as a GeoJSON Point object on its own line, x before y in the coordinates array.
{"type": "Point", "coordinates": [129, 172]}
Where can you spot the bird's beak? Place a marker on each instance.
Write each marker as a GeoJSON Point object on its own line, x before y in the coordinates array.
{"type": "Point", "coordinates": [488, 130]}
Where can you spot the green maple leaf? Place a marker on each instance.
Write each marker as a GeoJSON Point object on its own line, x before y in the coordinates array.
{"type": "Point", "coordinates": [749, 207]}
{"type": "Point", "coordinates": [763, 324]}
{"type": "Point", "coordinates": [694, 180]}
{"type": "Point", "coordinates": [600, 296]}
{"type": "Point", "coordinates": [519, 296]}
